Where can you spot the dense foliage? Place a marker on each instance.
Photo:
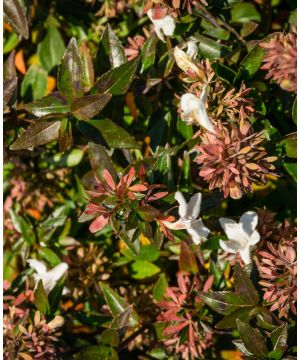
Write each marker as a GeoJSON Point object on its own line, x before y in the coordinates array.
{"type": "Point", "coordinates": [150, 179]}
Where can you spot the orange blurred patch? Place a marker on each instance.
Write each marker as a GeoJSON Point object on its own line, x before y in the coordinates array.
{"type": "Point", "coordinates": [131, 104]}
{"type": "Point", "coordinates": [79, 307]}
{"type": "Point", "coordinates": [81, 329]}
{"type": "Point", "coordinates": [67, 305]}
{"type": "Point", "coordinates": [231, 355]}
{"type": "Point", "coordinates": [51, 84]}
{"type": "Point", "coordinates": [34, 213]}
{"type": "Point", "coordinates": [8, 27]}
{"type": "Point", "coordinates": [20, 62]}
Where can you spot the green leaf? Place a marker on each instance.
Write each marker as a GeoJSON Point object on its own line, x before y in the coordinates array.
{"type": "Point", "coordinates": [40, 299]}
{"type": "Point", "coordinates": [209, 48]}
{"type": "Point", "coordinates": [290, 145]}
{"type": "Point", "coordinates": [114, 135]}
{"type": "Point", "coordinates": [223, 302]}
{"type": "Point", "coordinates": [71, 75]}
{"type": "Point", "coordinates": [97, 352]}
{"type": "Point", "coordinates": [117, 81]}
{"type": "Point", "coordinates": [88, 106]}
{"type": "Point", "coordinates": [229, 321]}
{"type": "Point", "coordinates": [110, 337]}
{"type": "Point", "coordinates": [244, 12]}
{"type": "Point", "coordinates": [214, 31]}
{"type": "Point", "coordinates": [100, 160]}
{"type": "Point", "coordinates": [252, 339]}
{"type": "Point", "coordinates": [10, 42]}
{"type": "Point", "coordinates": [39, 133]}
{"type": "Point", "coordinates": [291, 169]}
{"type": "Point", "coordinates": [279, 337]}
{"type": "Point", "coordinates": [65, 134]}
{"type": "Point", "coordinates": [122, 319]}
{"type": "Point", "coordinates": [34, 84]}
{"type": "Point", "coordinates": [110, 53]}
{"type": "Point", "coordinates": [15, 13]}
{"type": "Point", "coordinates": [53, 105]}
{"type": "Point", "coordinates": [51, 49]}
{"type": "Point", "coordinates": [148, 52]}
{"type": "Point", "coordinates": [160, 287]}
{"type": "Point", "coordinates": [55, 295]}
{"type": "Point", "coordinates": [49, 256]}
{"type": "Point", "coordinates": [147, 213]}
{"type": "Point", "coordinates": [116, 303]}
{"type": "Point", "coordinates": [88, 68]}
{"type": "Point", "coordinates": [187, 259]}
{"type": "Point", "coordinates": [248, 28]}
{"type": "Point", "coordinates": [26, 231]}
{"type": "Point", "coordinates": [244, 287]}
{"type": "Point", "coordinates": [143, 269]}
{"type": "Point", "coordinates": [68, 159]}
{"type": "Point", "coordinates": [185, 130]}
{"type": "Point", "coordinates": [294, 111]}
{"type": "Point", "coordinates": [252, 62]}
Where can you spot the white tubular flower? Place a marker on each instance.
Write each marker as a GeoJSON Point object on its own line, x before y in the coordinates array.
{"type": "Point", "coordinates": [163, 26]}
{"type": "Point", "coordinates": [49, 278]}
{"type": "Point", "coordinates": [242, 236]}
{"type": "Point", "coordinates": [188, 213]}
{"type": "Point", "coordinates": [192, 49]}
{"type": "Point", "coordinates": [184, 61]}
{"type": "Point", "coordinates": [193, 110]}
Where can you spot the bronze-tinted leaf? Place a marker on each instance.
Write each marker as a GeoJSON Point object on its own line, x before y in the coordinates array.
{"type": "Point", "coordinates": [16, 15]}
{"type": "Point", "coordinates": [244, 286]}
{"type": "Point", "coordinates": [88, 68]}
{"type": "Point", "coordinates": [71, 75]}
{"type": "Point", "coordinates": [187, 259]}
{"type": "Point", "coordinates": [88, 106]}
{"type": "Point", "coordinates": [52, 105]}
{"type": "Point", "coordinates": [65, 134]}
{"type": "Point", "coordinates": [39, 133]}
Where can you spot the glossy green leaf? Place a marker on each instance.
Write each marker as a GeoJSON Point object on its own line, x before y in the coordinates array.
{"type": "Point", "coordinates": [244, 12]}
{"type": "Point", "coordinates": [160, 287]}
{"type": "Point", "coordinates": [15, 13]}
{"type": "Point", "coordinates": [223, 302]}
{"type": "Point", "coordinates": [209, 48]}
{"type": "Point", "coordinates": [88, 68]}
{"type": "Point", "coordinates": [143, 269]}
{"type": "Point", "coordinates": [40, 299]}
{"type": "Point", "coordinates": [51, 49]}
{"type": "Point", "coordinates": [88, 106]}
{"type": "Point", "coordinates": [70, 158]}
{"type": "Point", "coordinates": [110, 53]}
{"type": "Point", "coordinates": [49, 256]}
{"type": "Point", "coordinates": [53, 105]}
{"type": "Point", "coordinates": [116, 303]}
{"type": "Point", "coordinates": [148, 52]}
{"type": "Point", "coordinates": [279, 337]}
{"type": "Point", "coordinates": [97, 352]}
{"type": "Point", "coordinates": [229, 321]}
{"type": "Point", "coordinates": [244, 287]}
{"type": "Point", "coordinates": [55, 295]}
{"type": "Point", "coordinates": [224, 72]}
{"type": "Point", "coordinates": [252, 62]}
{"type": "Point", "coordinates": [34, 84]}
{"type": "Point", "coordinates": [187, 259]}
{"type": "Point", "coordinates": [10, 42]}
{"type": "Point", "coordinates": [114, 135]}
{"type": "Point", "coordinates": [117, 81]}
{"type": "Point", "coordinates": [252, 339]}
{"type": "Point", "coordinates": [39, 133]}
{"type": "Point", "coordinates": [71, 75]}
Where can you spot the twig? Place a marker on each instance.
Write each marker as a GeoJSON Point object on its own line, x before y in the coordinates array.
{"type": "Point", "coordinates": [217, 22]}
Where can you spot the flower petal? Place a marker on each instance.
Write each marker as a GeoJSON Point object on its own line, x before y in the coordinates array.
{"type": "Point", "coordinates": [182, 204]}
{"type": "Point", "coordinates": [38, 266]}
{"type": "Point", "coordinates": [249, 221]}
{"type": "Point", "coordinates": [193, 206]}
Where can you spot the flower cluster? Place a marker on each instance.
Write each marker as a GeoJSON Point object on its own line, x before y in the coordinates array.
{"type": "Point", "coordinates": [233, 158]}
{"type": "Point", "coordinates": [278, 270]}
{"type": "Point", "coordinates": [280, 60]}
{"type": "Point", "coordinates": [189, 337]}
{"type": "Point", "coordinates": [109, 199]}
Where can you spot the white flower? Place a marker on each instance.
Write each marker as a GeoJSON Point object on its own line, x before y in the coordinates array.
{"type": "Point", "coordinates": [193, 110]}
{"type": "Point", "coordinates": [184, 62]}
{"type": "Point", "coordinates": [49, 278]}
{"type": "Point", "coordinates": [192, 49]}
{"type": "Point", "coordinates": [242, 236]}
{"type": "Point", "coordinates": [188, 213]}
{"type": "Point", "coordinates": [163, 26]}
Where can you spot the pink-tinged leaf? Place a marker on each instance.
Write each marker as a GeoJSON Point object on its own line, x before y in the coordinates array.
{"type": "Point", "coordinates": [131, 195]}
{"type": "Point", "coordinates": [176, 328]}
{"type": "Point", "coordinates": [157, 196]}
{"type": "Point", "coordinates": [208, 283]}
{"type": "Point", "coordinates": [129, 177]}
{"type": "Point", "coordinates": [98, 223]}
{"type": "Point", "coordinates": [92, 209]}
{"type": "Point", "coordinates": [109, 180]}
{"type": "Point", "coordinates": [138, 187]}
